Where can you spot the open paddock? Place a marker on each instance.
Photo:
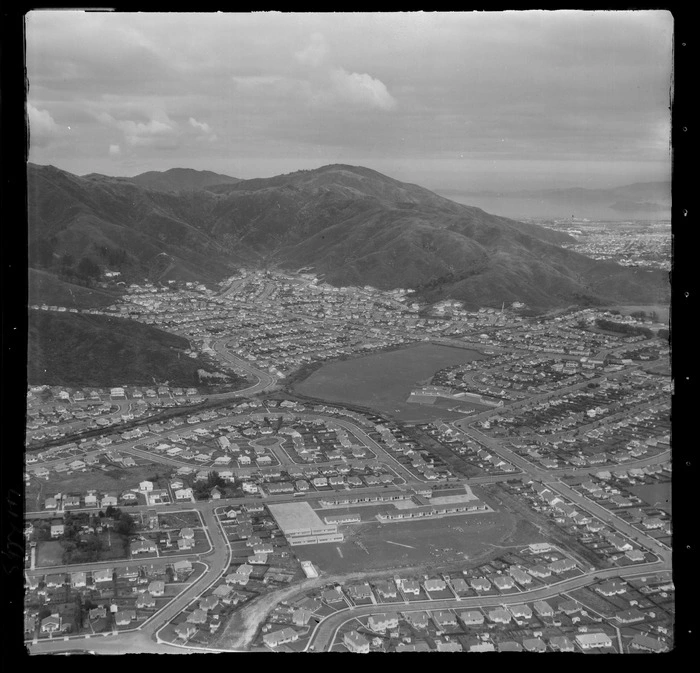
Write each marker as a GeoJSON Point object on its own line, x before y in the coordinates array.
{"type": "Point", "coordinates": [377, 546]}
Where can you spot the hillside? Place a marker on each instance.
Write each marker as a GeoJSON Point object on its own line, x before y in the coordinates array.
{"type": "Point", "coordinates": [181, 179]}
{"type": "Point", "coordinates": [351, 224]}
{"type": "Point", "coordinates": [95, 350]}
{"type": "Point", "coordinates": [46, 288]}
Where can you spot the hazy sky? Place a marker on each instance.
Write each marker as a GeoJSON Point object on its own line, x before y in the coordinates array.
{"type": "Point", "coordinates": [489, 100]}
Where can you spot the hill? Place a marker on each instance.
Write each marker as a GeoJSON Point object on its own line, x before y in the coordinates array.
{"type": "Point", "coordinates": [95, 350]}
{"type": "Point", "coordinates": [352, 225]}
{"type": "Point", "coordinates": [47, 288]}
{"type": "Point", "coordinates": [181, 179]}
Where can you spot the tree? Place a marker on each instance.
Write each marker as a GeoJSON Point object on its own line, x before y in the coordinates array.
{"type": "Point", "coordinates": [87, 269]}
{"type": "Point", "coordinates": [126, 525]}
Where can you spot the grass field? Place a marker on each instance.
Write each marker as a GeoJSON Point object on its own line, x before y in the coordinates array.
{"type": "Point", "coordinates": [437, 542]}
{"type": "Point", "coordinates": [49, 554]}
{"type": "Point", "coordinates": [384, 381]}
{"type": "Point", "coordinates": [655, 495]}
{"type": "Point", "coordinates": [112, 480]}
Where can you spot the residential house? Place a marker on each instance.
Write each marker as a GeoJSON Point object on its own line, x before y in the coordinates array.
{"type": "Point", "coordinates": [503, 582]}
{"type": "Point", "coordinates": [51, 624]}
{"type": "Point", "coordinates": [185, 631]}
{"type": "Point", "coordinates": [78, 579]}
{"type": "Point", "coordinates": [356, 642]}
{"type": "Point", "coordinates": [480, 584]}
{"type": "Point", "coordinates": [543, 609]}
{"type": "Point", "coordinates": [276, 638]}
{"type": "Point", "coordinates": [197, 616]}
{"type": "Point", "coordinates": [520, 611]}
{"type": "Point", "coordinates": [383, 621]}
{"type": "Point", "coordinates": [434, 585]}
{"type": "Point", "coordinates": [534, 645]}
{"type": "Point", "coordinates": [448, 646]}
{"type": "Point", "coordinates": [386, 589]}
{"type": "Point", "coordinates": [418, 620]}
{"type": "Point", "coordinates": [499, 616]}
{"type": "Point", "coordinates": [647, 644]}
{"type": "Point", "coordinates": [588, 641]}
{"type": "Point", "coordinates": [145, 600]}
{"type": "Point", "coordinates": [105, 575]}
{"type": "Point", "coordinates": [472, 617]}
{"type": "Point", "coordinates": [124, 617]}
{"type": "Point", "coordinates": [561, 644]}
{"type": "Point", "coordinates": [444, 618]}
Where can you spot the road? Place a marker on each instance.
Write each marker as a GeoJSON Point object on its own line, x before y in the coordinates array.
{"type": "Point", "coordinates": [323, 636]}
{"type": "Point", "coordinates": [218, 558]}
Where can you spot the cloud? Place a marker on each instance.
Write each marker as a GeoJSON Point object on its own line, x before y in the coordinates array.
{"type": "Point", "coordinates": [114, 150]}
{"type": "Point", "coordinates": [361, 89]}
{"type": "Point", "coordinates": [43, 129]}
{"type": "Point", "coordinates": [315, 53]}
{"type": "Point", "coordinates": [332, 84]}
{"type": "Point", "coordinates": [202, 126]}
{"type": "Point", "coordinates": [160, 132]}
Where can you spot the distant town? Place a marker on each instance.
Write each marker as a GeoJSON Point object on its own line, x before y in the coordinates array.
{"type": "Point", "coordinates": [516, 499]}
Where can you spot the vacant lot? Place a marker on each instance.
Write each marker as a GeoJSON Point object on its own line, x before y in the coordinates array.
{"type": "Point", "coordinates": [384, 381]}
{"type": "Point", "coordinates": [110, 480]}
{"type": "Point", "coordinates": [655, 495]}
{"type": "Point", "coordinates": [436, 542]}
{"type": "Point", "coordinates": [49, 554]}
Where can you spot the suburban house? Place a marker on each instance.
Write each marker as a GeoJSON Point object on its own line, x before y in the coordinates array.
{"type": "Point", "coordinates": [197, 616]}
{"type": "Point", "coordinates": [386, 589]}
{"type": "Point", "coordinates": [102, 575]}
{"type": "Point", "coordinates": [588, 641]}
{"type": "Point", "coordinates": [410, 587]}
{"type": "Point", "coordinates": [51, 624]}
{"type": "Point", "coordinates": [472, 617]}
{"type": "Point", "coordinates": [561, 644]}
{"type": "Point", "coordinates": [500, 616]}
{"type": "Point", "coordinates": [648, 644]}
{"type": "Point", "coordinates": [359, 591]}
{"type": "Point", "coordinates": [124, 617]}
{"type": "Point", "coordinates": [156, 588]}
{"type": "Point", "coordinates": [534, 645]}
{"type": "Point", "coordinates": [434, 585]}
{"type": "Point", "coordinates": [443, 618]}
{"type": "Point", "coordinates": [356, 642]}
{"type": "Point", "coordinates": [145, 600]}
{"type": "Point", "coordinates": [520, 611]}
{"type": "Point", "coordinates": [503, 582]}
{"type": "Point", "coordinates": [277, 638]}
{"type": "Point", "coordinates": [543, 609]}
{"type": "Point", "coordinates": [78, 579]}
{"type": "Point", "coordinates": [383, 621]}
{"type": "Point", "coordinates": [480, 584]}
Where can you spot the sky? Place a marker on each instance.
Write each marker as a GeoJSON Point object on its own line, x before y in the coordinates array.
{"type": "Point", "coordinates": [483, 100]}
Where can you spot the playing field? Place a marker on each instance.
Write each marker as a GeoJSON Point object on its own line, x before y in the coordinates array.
{"type": "Point", "coordinates": [376, 546]}
{"type": "Point", "coordinates": [384, 381]}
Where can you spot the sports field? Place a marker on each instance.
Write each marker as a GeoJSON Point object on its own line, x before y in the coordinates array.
{"type": "Point", "coordinates": [384, 381]}
{"type": "Point", "coordinates": [376, 546]}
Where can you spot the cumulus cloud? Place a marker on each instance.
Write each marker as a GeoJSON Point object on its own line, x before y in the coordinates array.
{"type": "Point", "coordinates": [202, 126]}
{"type": "Point", "coordinates": [332, 84]}
{"type": "Point", "coordinates": [361, 89]}
{"type": "Point", "coordinates": [159, 132]}
{"type": "Point", "coordinates": [114, 150]}
{"type": "Point", "coordinates": [43, 129]}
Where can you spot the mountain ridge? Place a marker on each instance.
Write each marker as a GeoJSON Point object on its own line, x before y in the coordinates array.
{"type": "Point", "coordinates": [353, 225]}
